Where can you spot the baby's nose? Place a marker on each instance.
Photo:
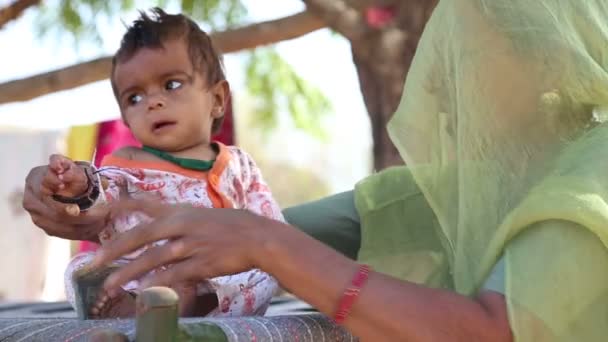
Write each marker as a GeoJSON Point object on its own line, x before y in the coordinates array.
{"type": "Point", "coordinates": [156, 102]}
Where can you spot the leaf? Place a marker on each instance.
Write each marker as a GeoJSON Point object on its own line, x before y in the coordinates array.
{"type": "Point", "coordinates": [188, 6]}
{"type": "Point", "coordinates": [71, 18]}
{"type": "Point", "coordinates": [128, 4]}
{"type": "Point", "coordinates": [80, 18]}
{"type": "Point", "coordinates": [276, 87]}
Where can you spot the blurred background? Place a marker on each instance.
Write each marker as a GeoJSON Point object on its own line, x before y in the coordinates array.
{"type": "Point", "coordinates": [314, 83]}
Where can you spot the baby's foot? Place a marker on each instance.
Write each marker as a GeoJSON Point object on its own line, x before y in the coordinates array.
{"type": "Point", "coordinates": [121, 306]}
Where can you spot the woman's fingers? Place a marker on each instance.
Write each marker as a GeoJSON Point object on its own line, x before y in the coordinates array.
{"type": "Point", "coordinates": [70, 175]}
{"type": "Point", "coordinates": [32, 203]}
{"type": "Point", "coordinates": [170, 252]}
{"type": "Point", "coordinates": [154, 209]}
{"type": "Point", "coordinates": [59, 163]}
{"type": "Point", "coordinates": [50, 184]}
{"type": "Point", "coordinates": [139, 236]}
{"type": "Point", "coordinates": [55, 163]}
{"type": "Point", "coordinates": [191, 270]}
{"type": "Point", "coordinates": [98, 214]}
{"type": "Point", "coordinates": [53, 228]}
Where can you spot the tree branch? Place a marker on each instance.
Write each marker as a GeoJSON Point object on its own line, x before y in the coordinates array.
{"type": "Point", "coordinates": [340, 16]}
{"type": "Point", "coordinates": [233, 40]}
{"type": "Point", "coordinates": [266, 33]}
{"type": "Point", "coordinates": [14, 10]}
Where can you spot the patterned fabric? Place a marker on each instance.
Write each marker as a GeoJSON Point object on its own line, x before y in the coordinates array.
{"type": "Point", "coordinates": [281, 328]}
{"type": "Point", "coordinates": [233, 182]}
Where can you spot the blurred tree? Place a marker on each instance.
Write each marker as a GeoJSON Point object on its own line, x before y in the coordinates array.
{"type": "Point", "coordinates": [383, 35]}
{"type": "Point", "coordinates": [290, 184]}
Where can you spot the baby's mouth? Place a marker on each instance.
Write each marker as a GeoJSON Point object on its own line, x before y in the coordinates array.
{"type": "Point", "coordinates": [160, 125]}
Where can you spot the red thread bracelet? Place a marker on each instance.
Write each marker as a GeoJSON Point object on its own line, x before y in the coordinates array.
{"type": "Point", "coordinates": [351, 293]}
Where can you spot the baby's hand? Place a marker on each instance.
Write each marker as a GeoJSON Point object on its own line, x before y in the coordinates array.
{"type": "Point", "coordinates": [64, 177]}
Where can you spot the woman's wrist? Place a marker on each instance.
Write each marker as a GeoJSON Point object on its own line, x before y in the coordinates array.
{"type": "Point", "coordinates": [295, 258]}
{"type": "Point", "coordinates": [268, 245]}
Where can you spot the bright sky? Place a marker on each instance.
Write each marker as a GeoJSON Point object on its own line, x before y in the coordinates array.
{"type": "Point", "coordinates": [321, 57]}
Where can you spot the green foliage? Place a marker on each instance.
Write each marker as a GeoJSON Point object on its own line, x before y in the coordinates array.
{"type": "Point", "coordinates": [75, 17]}
{"type": "Point", "coordinates": [270, 78]}
{"type": "Point", "coordinates": [217, 14]}
{"type": "Point", "coordinates": [84, 18]}
{"type": "Point", "coordinates": [274, 82]}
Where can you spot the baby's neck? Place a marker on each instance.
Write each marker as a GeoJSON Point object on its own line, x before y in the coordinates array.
{"type": "Point", "coordinates": [203, 151]}
{"type": "Point", "coordinates": [199, 152]}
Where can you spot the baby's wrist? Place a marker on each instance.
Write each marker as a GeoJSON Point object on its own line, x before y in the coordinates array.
{"type": "Point", "coordinates": [75, 192]}
{"type": "Point", "coordinates": [85, 193]}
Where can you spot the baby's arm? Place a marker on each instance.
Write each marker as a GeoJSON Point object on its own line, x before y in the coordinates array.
{"type": "Point", "coordinates": [258, 197]}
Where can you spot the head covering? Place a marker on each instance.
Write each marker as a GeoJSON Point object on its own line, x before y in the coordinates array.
{"type": "Point", "coordinates": [501, 126]}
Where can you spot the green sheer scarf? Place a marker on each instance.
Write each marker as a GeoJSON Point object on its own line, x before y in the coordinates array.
{"type": "Point", "coordinates": [501, 126]}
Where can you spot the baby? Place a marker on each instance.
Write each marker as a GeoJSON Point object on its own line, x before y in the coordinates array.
{"type": "Point", "coordinates": [170, 86]}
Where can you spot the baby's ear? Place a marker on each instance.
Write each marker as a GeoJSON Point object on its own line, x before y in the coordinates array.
{"type": "Point", "coordinates": [220, 92]}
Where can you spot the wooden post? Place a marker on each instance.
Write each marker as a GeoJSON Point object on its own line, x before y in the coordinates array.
{"type": "Point", "coordinates": [157, 314]}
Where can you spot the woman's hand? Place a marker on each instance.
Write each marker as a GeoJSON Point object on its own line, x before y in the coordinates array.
{"type": "Point", "coordinates": [202, 243]}
{"type": "Point", "coordinates": [52, 217]}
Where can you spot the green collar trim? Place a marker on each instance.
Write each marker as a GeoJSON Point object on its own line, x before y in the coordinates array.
{"type": "Point", "coordinates": [186, 163]}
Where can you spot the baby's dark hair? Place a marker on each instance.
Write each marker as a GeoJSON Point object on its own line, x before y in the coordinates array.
{"type": "Point", "coordinates": [151, 31]}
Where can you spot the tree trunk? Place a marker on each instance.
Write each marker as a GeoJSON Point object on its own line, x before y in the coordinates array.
{"type": "Point", "coordinates": [382, 60]}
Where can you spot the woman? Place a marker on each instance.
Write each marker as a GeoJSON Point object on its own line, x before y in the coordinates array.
{"type": "Point", "coordinates": [497, 229]}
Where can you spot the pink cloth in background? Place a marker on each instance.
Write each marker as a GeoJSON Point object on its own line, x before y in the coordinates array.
{"type": "Point", "coordinates": [113, 135]}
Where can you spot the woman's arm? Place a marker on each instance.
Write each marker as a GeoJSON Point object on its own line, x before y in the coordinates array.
{"type": "Point", "coordinates": [387, 309]}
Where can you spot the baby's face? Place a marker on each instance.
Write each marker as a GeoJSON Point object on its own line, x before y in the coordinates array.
{"type": "Point", "coordinates": [164, 101]}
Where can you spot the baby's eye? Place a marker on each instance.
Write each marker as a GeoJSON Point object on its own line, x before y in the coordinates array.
{"type": "Point", "coordinates": [134, 99]}
{"type": "Point", "coordinates": [173, 84]}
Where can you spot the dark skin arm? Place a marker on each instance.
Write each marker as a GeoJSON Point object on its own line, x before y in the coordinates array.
{"type": "Point", "coordinates": [207, 243]}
